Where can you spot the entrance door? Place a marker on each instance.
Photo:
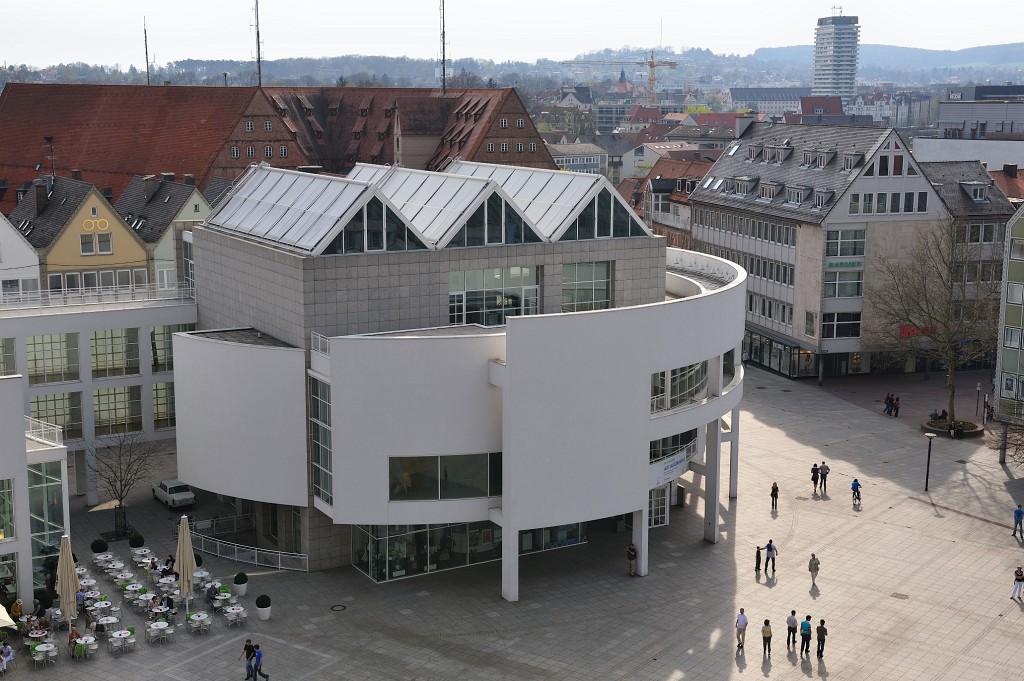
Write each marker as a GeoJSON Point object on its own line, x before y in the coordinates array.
{"type": "Point", "coordinates": [657, 507]}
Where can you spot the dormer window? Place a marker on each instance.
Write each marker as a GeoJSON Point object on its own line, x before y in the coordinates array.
{"type": "Point", "coordinates": [822, 160]}
{"type": "Point", "coordinates": [821, 199]}
{"type": "Point", "coordinates": [781, 154]}
{"type": "Point", "coordinates": [679, 185]}
{"type": "Point", "coordinates": [795, 196]}
{"type": "Point", "coordinates": [808, 159]}
{"type": "Point", "coordinates": [979, 193]}
{"type": "Point", "coordinates": [848, 162]}
{"type": "Point", "coordinates": [364, 112]}
{"type": "Point", "coordinates": [766, 154]}
{"type": "Point", "coordinates": [743, 186]}
{"type": "Point", "coordinates": [767, 192]}
{"type": "Point", "coordinates": [753, 152]}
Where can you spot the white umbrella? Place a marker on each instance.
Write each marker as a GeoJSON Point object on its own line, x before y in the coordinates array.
{"type": "Point", "coordinates": [185, 560]}
{"type": "Point", "coordinates": [5, 618]}
{"type": "Point", "coordinates": [67, 579]}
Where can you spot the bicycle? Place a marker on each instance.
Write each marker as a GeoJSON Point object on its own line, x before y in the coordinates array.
{"type": "Point", "coordinates": [855, 486]}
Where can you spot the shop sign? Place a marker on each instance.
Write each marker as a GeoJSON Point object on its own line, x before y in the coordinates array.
{"type": "Point", "coordinates": [843, 264]}
{"type": "Point", "coordinates": [667, 470]}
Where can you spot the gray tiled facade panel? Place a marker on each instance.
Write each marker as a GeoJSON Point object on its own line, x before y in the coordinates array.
{"type": "Point", "coordinates": [240, 283]}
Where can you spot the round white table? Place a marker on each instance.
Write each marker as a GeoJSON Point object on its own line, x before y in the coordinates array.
{"type": "Point", "coordinates": [102, 604]}
{"type": "Point", "coordinates": [92, 594]}
{"type": "Point", "coordinates": [116, 565]}
{"type": "Point", "coordinates": [107, 620]}
{"type": "Point", "coordinates": [105, 556]}
{"type": "Point", "coordinates": [158, 625]}
{"type": "Point", "coordinates": [200, 574]}
{"type": "Point", "coordinates": [124, 633]}
{"type": "Point", "coordinates": [135, 586]}
{"type": "Point", "coordinates": [214, 584]}
{"type": "Point", "coordinates": [124, 575]}
{"type": "Point", "coordinates": [222, 597]}
{"type": "Point", "coordinates": [142, 552]}
{"type": "Point", "coordinates": [160, 609]}
{"type": "Point", "coordinates": [81, 570]}
{"type": "Point", "coordinates": [87, 582]}
{"type": "Point", "coordinates": [199, 617]}
{"type": "Point", "coordinates": [235, 609]}
{"type": "Point", "coordinates": [38, 633]}
{"type": "Point", "coordinates": [45, 647]}
{"type": "Point", "coordinates": [166, 581]}
{"type": "Point", "coordinates": [85, 640]}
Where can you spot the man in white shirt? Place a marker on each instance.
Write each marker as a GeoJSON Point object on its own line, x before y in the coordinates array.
{"type": "Point", "coordinates": [741, 628]}
{"type": "Point", "coordinates": [791, 626]}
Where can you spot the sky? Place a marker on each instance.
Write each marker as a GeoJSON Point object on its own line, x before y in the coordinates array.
{"type": "Point", "coordinates": [109, 32]}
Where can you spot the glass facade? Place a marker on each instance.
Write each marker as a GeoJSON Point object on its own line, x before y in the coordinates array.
{"type": "Point", "coordinates": [6, 508]}
{"type": "Point", "coordinates": [52, 358]}
{"type": "Point", "coordinates": [374, 228]}
{"type": "Point", "coordinates": [60, 409]}
{"type": "Point", "coordinates": [46, 512]}
{"type": "Point", "coordinates": [603, 218]}
{"type": "Point", "coordinates": [117, 410]}
{"type": "Point", "coordinates": [586, 286]}
{"type": "Point", "coordinates": [8, 579]}
{"type": "Point", "coordinates": [161, 346]}
{"type": "Point", "coordinates": [488, 297]}
{"type": "Point", "coordinates": [115, 352]}
{"type": "Point", "coordinates": [674, 444]}
{"type": "Point", "coordinates": [672, 389]}
{"type": "Point", "coordinates": [320, 440]}
{"type": "Point", "coordinates": [163, 405]}
{"type": "Point", "coordinates": [494, 222]}
{"type": "Point", "coordinates": [7, 361]}
{"type": "Point", "coordinates": [432, 478]}
{"type": "Point", "coordinates": [788, 360]}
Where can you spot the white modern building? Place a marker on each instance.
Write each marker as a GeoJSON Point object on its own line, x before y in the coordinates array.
{"type": "Point", "coordinates": [410, 372]}
{"type": "Point", "coordinates": [836, 44]}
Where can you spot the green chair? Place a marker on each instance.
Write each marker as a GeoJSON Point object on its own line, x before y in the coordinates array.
{"type": "Point", "coordinates": [79, 651]}
{"type": "Point", "coordinates": [224, 589]}
{"type": "Point", "coordinates": [143, 590]}
{"type": "Point", "coordinates": [131, 630]}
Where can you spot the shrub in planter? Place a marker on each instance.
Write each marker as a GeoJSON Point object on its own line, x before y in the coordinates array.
{"type": "Point", "coordinates": [136, 541]}
{"type": "Point", "coordinates": [99, 546]}
{"type": "Point", "coordinates": [263, 601]}
{"type": "Point", "coordinates": [241, 584]}
{"type": "Point", "coordinates": [241, 578]}
{"type": "Point", "coordinates": [199, 560]}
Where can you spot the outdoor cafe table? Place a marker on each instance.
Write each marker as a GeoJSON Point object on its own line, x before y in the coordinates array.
{"type": "Point", "coordinates": [85, 640]}
{"type": "Point", "coordinates": [200, 574]}
{"type": "Point", "coordinates": [45, 647]}
{"type": "Point", "coordinates": [81, 570]}
{"type": "Point", "coordinates": [235, 609]}
{"type": "Point", "coordinates": [166, 581]}
{"type": "Point", "coordinates": [199, 617]}
{"type": "Point", "coordinates": [160, 609]}
{"type": "Point", "coordinates": [142, 552]}
{"type": "Point", "coordinates": [37, 633]}
{"type": "Point", "coordinates": [134, 586]}
{"type": "Point", "coordinates": [105, 556]}
{"type": "Point", "coordinates": [124, 633]}
{"type": "Point", "coordinates": [87, 582]}
{"type": "Point", "coordinates": [92, 594]}
{"type": "Point", "coordinates": [116, 565]}
{"type": "Point", "coordinates": [107, 620]}
{"type": "Point", "coordinates": [101, 604]}
{"type": "Point", "coordinates": [158, 625]}
{"type": "Point", "coordinates": [124, 575]}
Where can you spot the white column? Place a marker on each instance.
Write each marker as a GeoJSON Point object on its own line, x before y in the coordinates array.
{"type": "Point", "coordinates": [510, 565]}
{"type": "Point", "coordinates": [734, 452]}
{"type": "Point", "coordinates": [712, 481]}
{"type": "Point", "coordinates": [641, 539]}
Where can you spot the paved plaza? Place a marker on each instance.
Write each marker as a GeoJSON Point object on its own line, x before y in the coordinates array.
{"type": "Point", "coordinates": [913, 585]}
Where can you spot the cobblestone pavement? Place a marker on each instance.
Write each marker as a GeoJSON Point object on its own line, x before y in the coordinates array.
{"type": "Point", "coordinates": [913, 585]}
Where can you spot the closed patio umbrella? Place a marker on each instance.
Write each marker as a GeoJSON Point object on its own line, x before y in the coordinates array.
{"type": "Point", "coordinates": [67, 579]}
{"type": "Point", "coordinates": [185, 560]}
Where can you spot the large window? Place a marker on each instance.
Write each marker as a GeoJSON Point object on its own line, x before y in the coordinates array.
{"type": "Point", "coordinates": [46, 513]}
{"type": "Point", "coordinates": [604, 217]}
{"type": "Point", "coordinates": [586, 286]}
{"type": "Point", "coordinates": [840, 325]}
{"type": "Point", "coordinates": [488, 297]}
{"type": "Point", "coordinates": [60, 409]}
{"type": "Point", "coordinates": [320, 440]}
{"type": "Point", "coordinates": [162, 346]}
{"type": "Point", "coordinates": [843, 285]}
{"type": "Point", "coordinates": [674, 444]}
{"type": "Point", "coordinates": [115, 352]}
{"type": "Point", "coordinates": [671, 389]}
{"type": "Point", "coordinates": [374, 227]}
{"type": "Point", "coordinates": [52, 358]}
{"type": "Point", "coordinates": [163, 405]}
{"type": "Point", "coordinates": [117, 410]}
{"type": "Point", "coordinates": [8, 577]}
{"type": "Point", "coordinates": [6, 508]}
{"type": "Point", "coordinates": [456, 476]}
{"type": "Point", "coordinates": [7, 360]}
{"type": "Point", "coordinates": [844, 242]}
{"type": "Point", "coordinates": [494, 222]}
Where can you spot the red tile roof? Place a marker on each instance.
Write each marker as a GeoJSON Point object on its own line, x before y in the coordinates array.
{"type": "Point", "coordinates": [1011, 181]}
{"type": "Point", "coordinates": [830, 106]}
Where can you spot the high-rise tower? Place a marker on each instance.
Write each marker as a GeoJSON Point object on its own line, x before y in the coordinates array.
{"type": "Point", "coordinates": [836, 42]}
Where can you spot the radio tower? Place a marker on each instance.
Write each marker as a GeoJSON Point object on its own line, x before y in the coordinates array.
{"type": "Point", "coordinates": [444, 68]}
{"type": "Point", "coordinates": [145, 44]}
{"type": "Point", "coordinates": [259, 55]}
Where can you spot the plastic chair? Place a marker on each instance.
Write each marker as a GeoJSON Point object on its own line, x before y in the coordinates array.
{"type": "Point", "coordinates": [92, 647]}
{"type": "Point", "coordinates": [52, 656]}
{"type": "Point", "coordinates": [39, 659]}
{"type": "Point", "coordinates": [79, 653]}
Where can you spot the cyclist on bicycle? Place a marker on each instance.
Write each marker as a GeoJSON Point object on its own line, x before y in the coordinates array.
{"type": "Point", "coordinates": [855, 486]}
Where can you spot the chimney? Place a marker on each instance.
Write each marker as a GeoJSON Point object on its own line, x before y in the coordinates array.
{"type": "Point", "coordinates": [76, 174]}
{"type": "Point", "coordinates": [1010, 169]}
{"type": "Point", "coordinates": [167, 177]}
{"type": "Point", "coordinates": [188, 179]}
{"type": "Point", "coordinates": [743, 121]}
{"type": "Point", "coordinates": [150, 183]}
{"type": "Point", "coordinates": [41, 195]}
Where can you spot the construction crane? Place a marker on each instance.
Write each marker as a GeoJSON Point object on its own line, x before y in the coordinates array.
{"type": "Point", "coordinates": [650, 63]}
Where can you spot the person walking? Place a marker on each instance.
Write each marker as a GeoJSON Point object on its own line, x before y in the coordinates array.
{"type": "Point", "coordinates": [249, 652]}
{"type": "Point", "coordinates": [770, 551]}
{"type": "Point", "coordinates": [757, 560]}
{"type": "Point", "coordinates": [823, 471]}
{"type": "Point", "coordinates": [896, 407]}
{"type": "Point", "coordinates": [631, 559]}
{"type": "Point", "coordinates": [805, 636]}
{"type": "Point", "coordinates": [812, 566]}
{"type": "Point", "coordinates": [257, 662]}
{"type": "Point", "coordinates": [775, 496]}
{"type": "Point", "coordinates": [815, 472]}
{"type": "Point", "coordinates": [741, 629]}
{"type": "Point", "coordinates": [888, 404]}
{"type": "Point", "coordinates": [766, 638]}
{"type": "Point", "coordinates": [1018, 518]}
{"type": "Point", "coordinates": [822, 633]}
{"type": "Point", "coordinates": [1018, 583]}
{"type": "Point", "coordinates": [791, 626]}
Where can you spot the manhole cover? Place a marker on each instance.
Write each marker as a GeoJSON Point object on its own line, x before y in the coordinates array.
{"type": "Point", "coordinates": [899, 596]}
{"type": "Point", "coordinates": [961, 461]}
{"type": "Point", "coordinates": [339, 608]}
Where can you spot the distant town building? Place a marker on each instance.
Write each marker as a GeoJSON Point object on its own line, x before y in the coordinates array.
{"type": "Point", "coordinates": [773, 101]}
{"type": "Point", "coordinates": [580, 157]}
{"type": "Point", "coordinates": [836, 42]}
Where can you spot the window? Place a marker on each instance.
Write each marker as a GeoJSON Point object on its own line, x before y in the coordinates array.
{"type": "Point", "coordinates": [795, 196]}
{"type": "Point", "coordinates": [52, 358]}
{"type": "Point", "coordinates": [519, 147]}
{"type": "Point", "coordinates": [810, 324]}
{"type": "Point", "coordinates": [520, 123]}
{"type": "Point", "coordinates": [6, 513]}
{"type": "Point", "coordinates": [162, 346]}
{"type": "Point", "coordinates": [117, 410]}
{"type": "Point", "coordinates": [503, 123]}
{"type": "Point", "coordinates": [681, 443]}
{"type": "Point", "coordinates": [60, 409]}
{"type": "Point", "coordinates": [7, 359]}
{"type": "Point", "coordinates": [767, 192]}
{"type": "Point", "coordinates": [504, 147]}
{"type": "Point", "coordinates": [844, 242]}
{"type": "Point", "coordinates": [250, 126]}
{"type": "Point", "coordinates": [897, 165]}
{"type": "Point", "coordinates": [1016, 249]}
{"type": "Point", "coordinates": [840, 325]}
{"type": "Point", "coordinates": [488, 297]}
{"type": "Point", "coordinates": [922, 202]}
{"type": "Point", "coordinates": [88, 244]}
{"type": "Point", "coordinates": [46, 519]}
{"type": "Point", "coordinates": [868, 206]}
{"type": "Point", "coordinates": [250, 152]}
{"type": "Point", "coordinates": [283, 151]}
{"type": "Point", "coordinates": [586, 286]}
{"type": "Point", "coordinates": [322, 469]}
{"type": "Point", "coordinates": [883, 166]}
{"type": "Point", "coordinates": [533, 147]}
{"type": "Point", "coordinates": [849, 162]}
{"type": "Point", "coordinates": [490, 147]}
{"type": "Point", "coordinates": [268, 126]}
{"type": "Point", "coordinates": [753, 152]}
{"type": "Point", "coordinates": [1011, 337]}
{"type": "Point", "coordinates": [163, 405]}
{"type": "Point", "coordinates": [268, 151]}
{"type": "Point", "coordinates": [820, 199]}
{"type": "Point", "coordinates": [235, 153]}
{"type": "Point", "coordinates": [672, 389]}
{"type": "Point", "coordinates": [115, 352]}
{"type": "Point", "coordinates": [881, 202]}
{"type": "Point", "coordinates": [979, 193]}
{"type": "Point", "coordinates": [854, 204]}
{"type": "Point", "coordinates": [808, 158]}
{"type": "Point", "coordinates": [104, 243]}
{"type": "Point", "coordinates": [1014, 294]}
{"type": "Point", "coordinates": [978, 233]}
{"type": "Point", "coordinates": [843, 285]}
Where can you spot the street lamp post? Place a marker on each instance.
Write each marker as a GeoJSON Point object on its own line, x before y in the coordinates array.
{"type": "Point", "coordinates": [928, 466]}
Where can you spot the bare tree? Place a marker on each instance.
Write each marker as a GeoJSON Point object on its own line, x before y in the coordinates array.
{"type": "Point", "coordinates": [125, 461]}
{"type": "Point", "coordinates": [938, 299]}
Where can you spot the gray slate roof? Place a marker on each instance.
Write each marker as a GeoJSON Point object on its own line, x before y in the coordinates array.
{"type": "Point", "coordinates": [614, 144]}
{"type": "Point", "coordinates": [799, 138]}
{"type": "Point", "coordinates": [217, 189]}
{"type": "Point", "coordinates": [581, 149]}
{"type": "Point", "coordinates": [768, 94]}
{"type": "Point", "coordinates": [65, 197]}
{"type": "Point", "coordinates": [946, 177]}
{"type": "Point", "coordinates": [158, 212]}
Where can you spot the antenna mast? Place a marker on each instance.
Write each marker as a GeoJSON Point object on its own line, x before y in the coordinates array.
{"type": "Point", "coordinates": [444, 65]}
{"type": "Point", "coordinates": [145, 43]}
{"type": "Point", "coordinates": [259, 55]}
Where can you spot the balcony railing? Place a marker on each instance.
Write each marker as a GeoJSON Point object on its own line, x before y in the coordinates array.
{"type": "Point", "coordinates": [281, 560]}
{"type": "Point", "coordinates": [320, 344]}
{"type": "Point", "coordinates": [45, 432]}
{"type": "Point", "coordinates": [117, 295]}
